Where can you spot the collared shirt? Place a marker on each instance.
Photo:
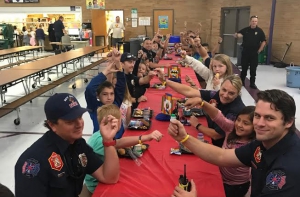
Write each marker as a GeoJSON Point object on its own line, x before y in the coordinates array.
{"type": "Point", "coordinates": [52, 167]}
{"type": "Point", "coordinates": [230, 111]}
{"type": "Point", "coordinates": [252, 38]}
{"type": "Point", "coordinates": [58, 27]}
{"type": "Point", "coordinates": [275, 172]}
{"type": "Point", "coordinates": [150, 54]}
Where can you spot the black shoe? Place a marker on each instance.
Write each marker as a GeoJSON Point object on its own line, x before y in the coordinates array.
{"type": "Point", "coordinates": [253, 86]}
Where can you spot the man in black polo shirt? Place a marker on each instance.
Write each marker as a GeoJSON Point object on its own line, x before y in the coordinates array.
{"type": "Point", "coordinates": [254, 41]}
{"type": "Point", "coordinates": [59, 29]}
{"type": "Point", "coordinates": [56, 164]}
{"type": "Point", "coordinates": [133, 82]}
{"type": "Point", "coordinates": [275, 154]}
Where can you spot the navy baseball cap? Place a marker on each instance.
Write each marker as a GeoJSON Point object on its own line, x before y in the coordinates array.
{"type": "Point", "coordinates": [127, 56]}
{"type": "Point", "coordinates": [63, 106]}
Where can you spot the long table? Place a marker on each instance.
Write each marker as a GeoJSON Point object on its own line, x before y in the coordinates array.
{"type": "Point", "coordinates": [17, 50]}
{"type": "Point", "coordinates": [160, 171]}
{"type": "Point", "coordinates": [23, 72]}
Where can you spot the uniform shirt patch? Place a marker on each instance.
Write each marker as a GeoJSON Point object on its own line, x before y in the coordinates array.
{"type": "Point", "coordinates": [83, 159]}
{"type": "Point", "coordinates": [132, 82]}
{"type": "Point", "coordinates": [212, 93]}
{"type": "Point", "coordinates": [31, 168]}
{"type": "Point", "coordinates": [275, 180]}
{"type": "Point", "coordinates": [257, 155]}
{"type": "Point", "coordinates": [55, 161]}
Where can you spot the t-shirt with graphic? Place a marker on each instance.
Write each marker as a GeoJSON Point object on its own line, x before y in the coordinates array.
{"type": "Point", "coordinates": [117, 29]}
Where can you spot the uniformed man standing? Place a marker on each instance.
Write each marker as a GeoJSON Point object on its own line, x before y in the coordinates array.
{"type": "Point", "coordinates": [254, 41]}
{"type": "Point", "coordinates": [274, 156]}
{"type": "Point", "coordinates": [56, 164]}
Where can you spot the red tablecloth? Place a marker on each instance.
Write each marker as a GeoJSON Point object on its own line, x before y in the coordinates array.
{"type": "Point", "coordinates": [159, 173]}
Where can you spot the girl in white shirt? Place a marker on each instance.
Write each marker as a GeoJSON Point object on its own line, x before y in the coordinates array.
{"type": "Point", "coordinates": [220, 68]}
{"type": "Point", "coordinates": [125, 108]}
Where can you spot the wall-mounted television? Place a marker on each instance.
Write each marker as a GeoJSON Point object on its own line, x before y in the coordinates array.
{"type": "Point", "coordinates": [21, 1]}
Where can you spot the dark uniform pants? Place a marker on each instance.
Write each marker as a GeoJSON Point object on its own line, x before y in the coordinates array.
{"type": "Point", "coordinates": [249, 57]}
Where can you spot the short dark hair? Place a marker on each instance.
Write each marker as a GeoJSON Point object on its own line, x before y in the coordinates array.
{"type": "Point", "coordinates": [47, 125]}
{"type": "Point", "coordinates": [105, 84]}
{"type": "Point", "coordinates": [253, 17]}
{"type": "Point", "coordinates": [61, 17]}
{"type": "Point", "coordinates": [233, 137]}
{"type": "Point", "coordinates": [280, 101]}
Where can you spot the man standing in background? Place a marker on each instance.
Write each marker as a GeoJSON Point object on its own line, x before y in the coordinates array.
{"type": "Point", "coordinates": [117, 28]}
{"type": "Point", "coordinates": [254, 41]}
{"type": "Point", "coordinates": [59, 29]}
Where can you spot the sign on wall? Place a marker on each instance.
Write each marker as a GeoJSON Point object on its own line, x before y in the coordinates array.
{"type": "Point", "coordinates": [163, 22]}
{"type": "Point", "coordinates": [95, 4]}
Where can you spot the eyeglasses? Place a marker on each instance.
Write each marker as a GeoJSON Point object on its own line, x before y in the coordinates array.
{"type": "Point", "coordinates": [253, 17]}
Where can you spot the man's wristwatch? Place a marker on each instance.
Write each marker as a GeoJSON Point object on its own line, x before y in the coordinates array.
{"type": "Point", "coordinates": [111, 143]}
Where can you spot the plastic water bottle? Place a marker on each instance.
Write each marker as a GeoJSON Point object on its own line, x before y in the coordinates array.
{"type": "Point", "coordinates": [200, 137]}
{"type": "Point", "coordinates": [173, 117]}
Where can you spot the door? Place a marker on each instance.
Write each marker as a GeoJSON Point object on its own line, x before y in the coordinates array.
{"type": "Point", "coordinates": [229, 17]}
{"type": "Point", "coordinates": [98, 26]}
{"type": "Point", "coordinates": [163, 20]}
{"type": "Point", "coordinates": [233, 20]}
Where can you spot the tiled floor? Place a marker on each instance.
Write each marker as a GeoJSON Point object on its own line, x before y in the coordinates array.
{"type": "Point", "coordinates": [13, 143]}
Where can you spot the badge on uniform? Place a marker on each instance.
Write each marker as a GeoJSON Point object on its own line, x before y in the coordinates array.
{"type": "Point", "coordinates": [30, 168]}
{"type": "Point", "coordinates": [132, 82]}
{"type": "Point", "coordinates": [256, 33]}
{"type": "Point", "coordinates": [275, 180]}
{"type": "Point", "coordinates": [257, 155]}
{"type": "Point", "coordinates": [55, 161]}
{"type": "Point", "coordinates": [83, 159]}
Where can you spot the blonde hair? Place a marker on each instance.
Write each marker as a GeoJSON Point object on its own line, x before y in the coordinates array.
{"type": "Point", "coordinates": [236, 81]}
{"type": "Point", "coordinates": [109, 109]}
{"type": "Point", "coordinates": [224, 59]}
{"type": "Point", "coordinates": [127, 95]}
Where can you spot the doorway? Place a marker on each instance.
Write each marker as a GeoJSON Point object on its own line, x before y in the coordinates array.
{"type": "Point", "coordinates": [233, 20]}
{"type": "Point", "coordinates": [101, 21]}
{"type": "Point", "coordinates": [163, 19]}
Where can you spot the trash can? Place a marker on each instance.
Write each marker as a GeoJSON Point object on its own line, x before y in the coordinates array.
{"type": "Point", "coordinates": [293, 76]}
{"type": "Point", "coordinates": [126, 46]}
{"type": "Point", "coordinates": [135, 45]}
{"type": "Point", "coordinates": [262, 57]}
{"type": "Point", "coordinates": [3, 43]}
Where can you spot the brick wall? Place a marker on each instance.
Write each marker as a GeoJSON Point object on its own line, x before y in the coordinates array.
{"type": "Point", "coordinates": [286, 28]}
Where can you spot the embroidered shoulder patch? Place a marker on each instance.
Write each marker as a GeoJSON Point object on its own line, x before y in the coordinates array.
{"type": "Point", "coordinates": [83, 159]}
{"type": "Point", "coordinates": [275, 180]}
{"type": "Point", "coordinates": [212, 93]}
{"type": "Point", "coordinates": [30, 168]}
{"type": "Point", "coordinates": [257, 155]}
{"type": "Point", "coordinates": [55, 161]}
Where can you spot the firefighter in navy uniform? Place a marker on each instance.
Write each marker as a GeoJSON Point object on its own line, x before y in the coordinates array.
{"type": "Point", "coordinates": [274, 156]}
{"type": "Point", "coordinates": [56, 164]}
{"type": "Point", "coordinates": [254, 41]}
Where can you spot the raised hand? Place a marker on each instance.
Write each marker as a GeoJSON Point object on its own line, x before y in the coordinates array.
{"type": "Point", "coordinates": [109, 126]}
{"type": "Point", "coordinates": [176, 130]}
{"type": "Point", "coordinates": [192, 102]}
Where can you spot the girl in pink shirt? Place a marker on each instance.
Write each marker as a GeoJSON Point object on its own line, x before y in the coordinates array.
{"type": "Point", "coordinates": [238, 133]}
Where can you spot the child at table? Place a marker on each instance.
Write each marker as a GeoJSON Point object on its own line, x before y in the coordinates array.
{"type": "Point", "coordinates": [126, 108]}
{"type": "Point", "coordinates": [96, 142]}
{"type": "Point", "coordinates": [220, 68]}
{"type": "Point", "coordinates": [238, 133]}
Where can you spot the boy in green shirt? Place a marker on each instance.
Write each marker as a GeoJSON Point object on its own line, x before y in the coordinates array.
{"type": "Point", "coordinates": [97, 144]}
